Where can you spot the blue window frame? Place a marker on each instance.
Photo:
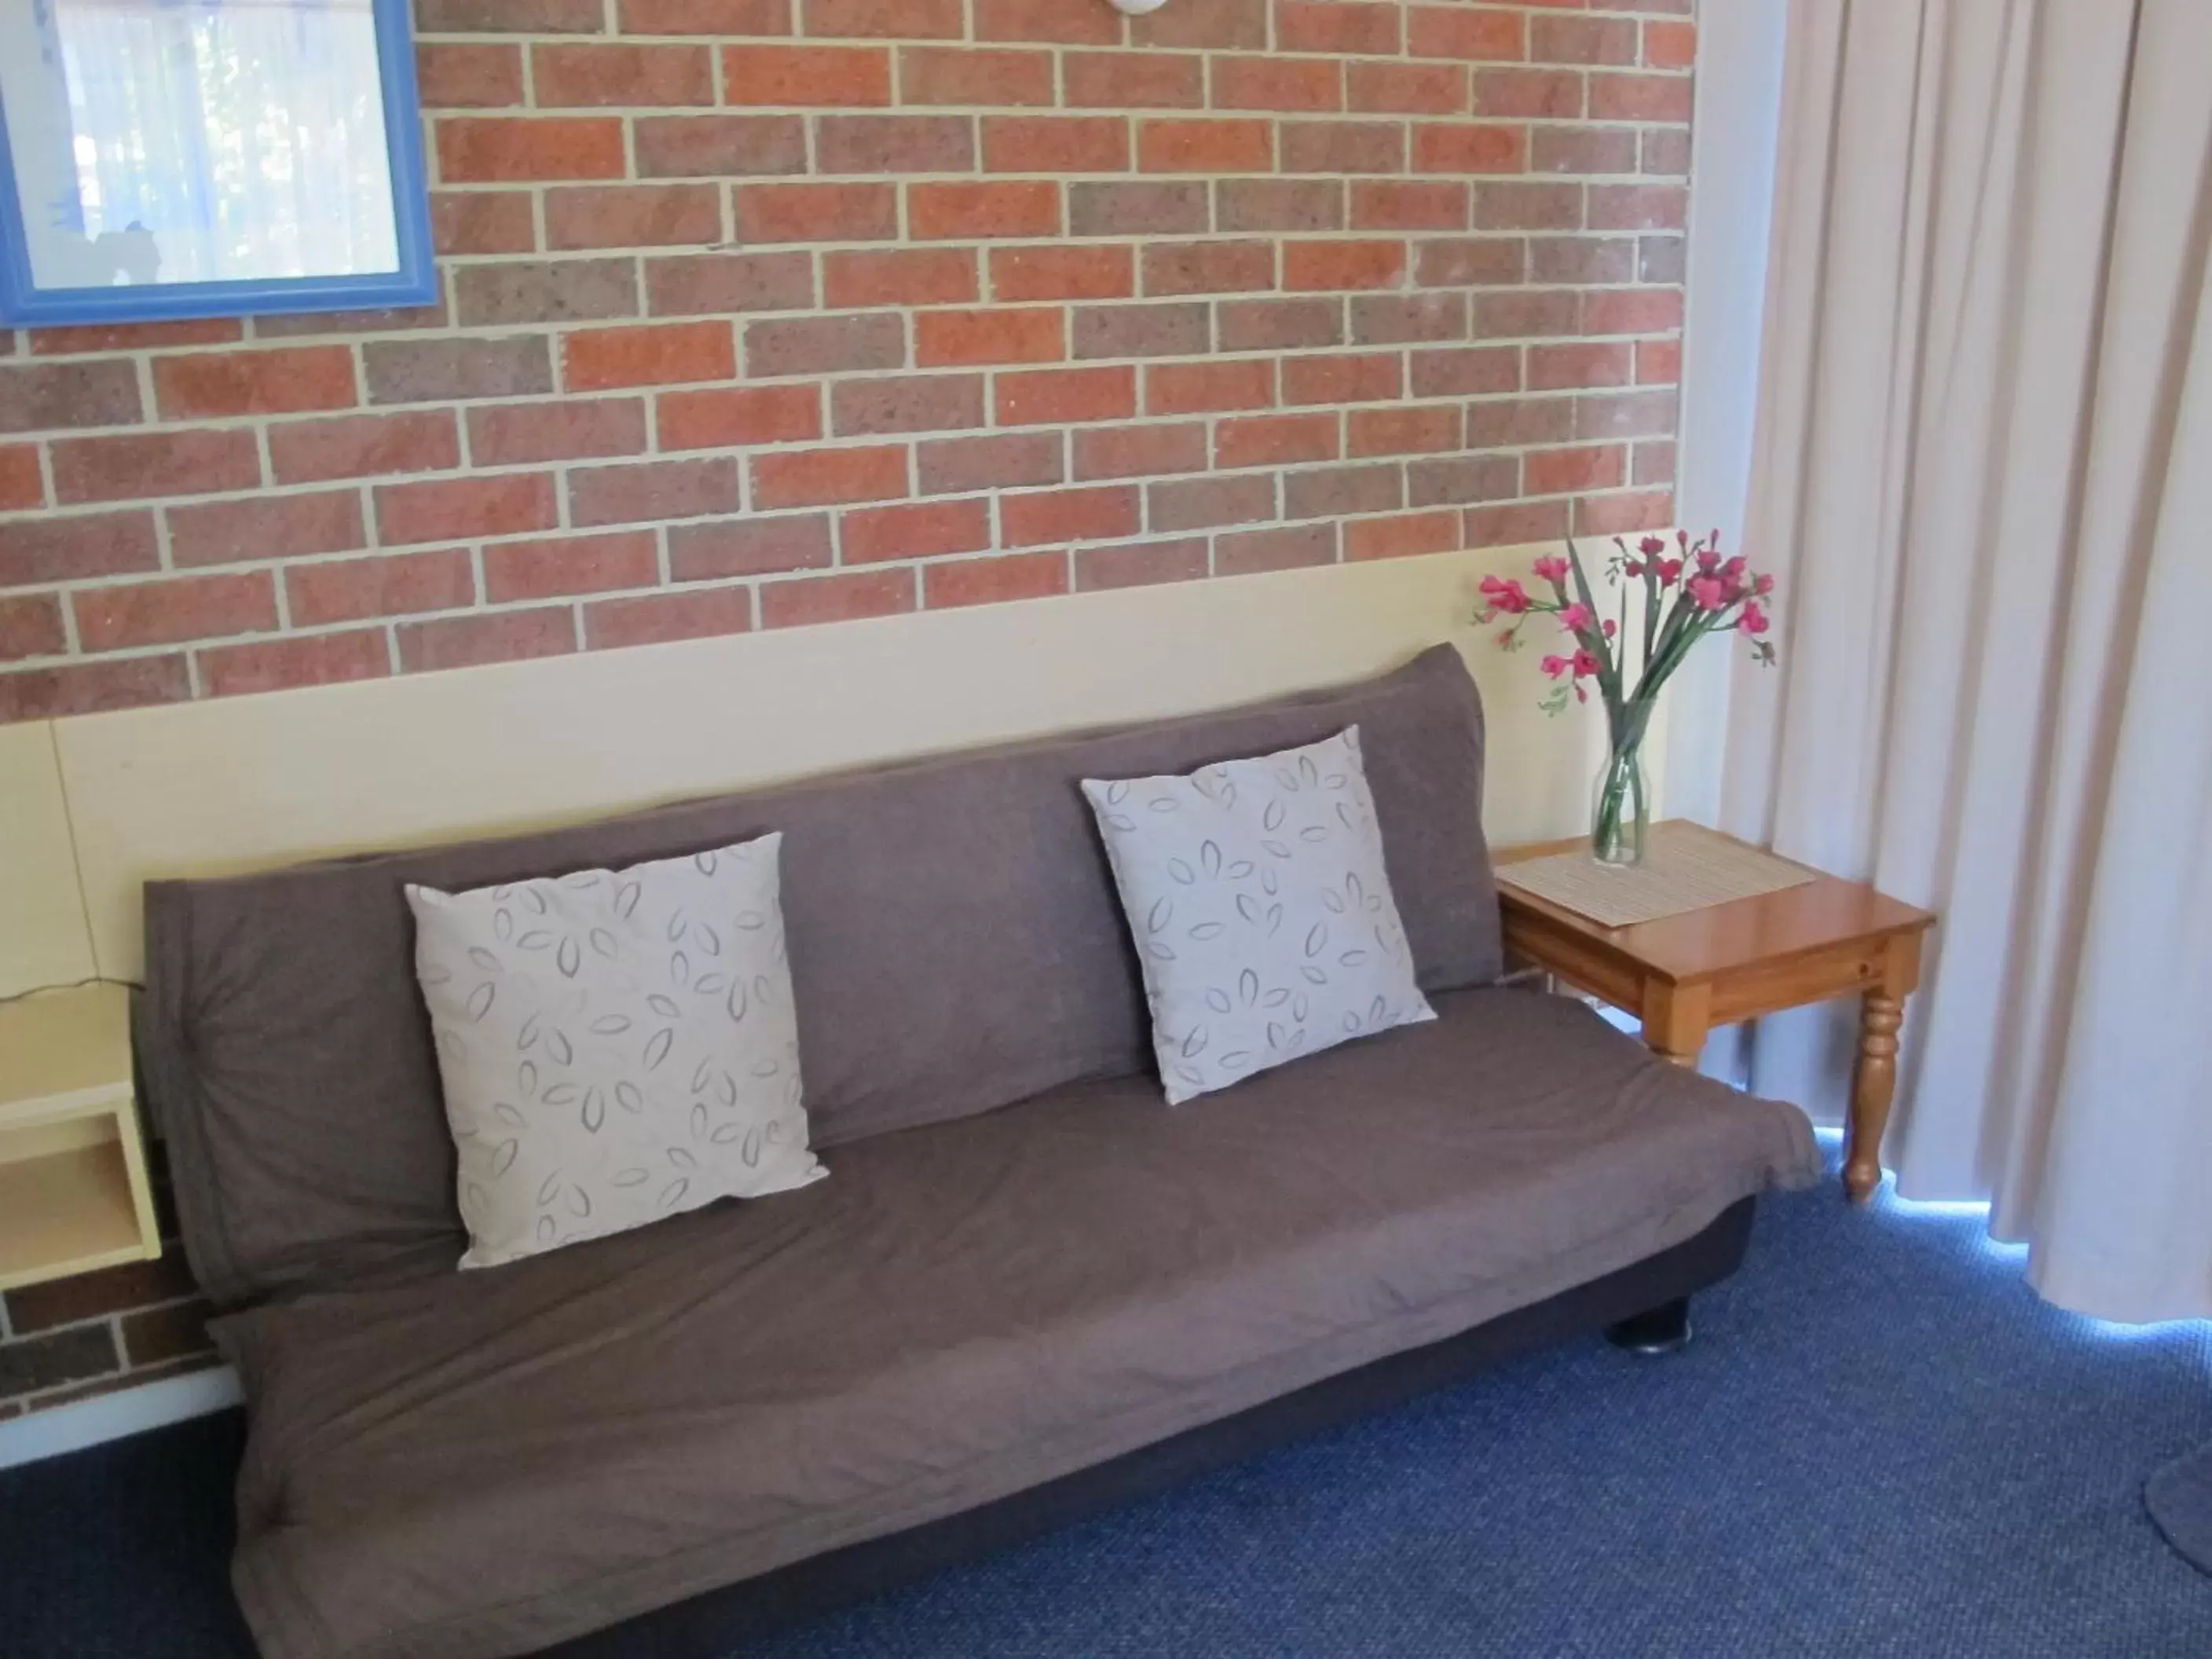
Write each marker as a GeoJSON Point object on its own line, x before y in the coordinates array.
{"type": "Point", "coordinates": [258, 152]}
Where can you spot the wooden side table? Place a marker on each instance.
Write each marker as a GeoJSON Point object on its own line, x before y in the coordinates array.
{"type": "Point", "coordinates": [73, 1189]}
{"type": "Point", "coordinates": [1683, 975]}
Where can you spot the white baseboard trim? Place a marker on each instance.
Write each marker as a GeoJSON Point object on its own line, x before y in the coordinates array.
{"type": "Point", "coordinates": [111, 1416]}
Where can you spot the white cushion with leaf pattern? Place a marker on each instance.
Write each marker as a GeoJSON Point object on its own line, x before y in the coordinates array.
{"type": "Point", "coordinates": [616, 1046]}
{"type": "Point", "coordinates": [1261, 910]}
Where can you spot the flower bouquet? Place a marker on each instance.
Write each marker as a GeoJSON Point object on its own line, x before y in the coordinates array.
{"type": "Point", "coordinates": [1681, 594]}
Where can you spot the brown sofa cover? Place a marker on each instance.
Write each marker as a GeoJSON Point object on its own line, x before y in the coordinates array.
{"type": "Point", "coordinates": [446, 1466]}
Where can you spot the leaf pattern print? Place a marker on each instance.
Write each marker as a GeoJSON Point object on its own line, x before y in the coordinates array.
{"type": "Point", "coordinates": [650, 1049]}
{"type": "Point", "coordinates": [1260, 909]}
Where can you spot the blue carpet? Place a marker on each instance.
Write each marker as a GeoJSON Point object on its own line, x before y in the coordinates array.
{"type": "Point", "coordinates": [1879, 1443]}
{"type": "Point", "coordinates": [2179, 1499]}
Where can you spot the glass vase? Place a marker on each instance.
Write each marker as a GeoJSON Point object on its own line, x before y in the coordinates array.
{"type": "Point", "coordinates": [1620, 811]}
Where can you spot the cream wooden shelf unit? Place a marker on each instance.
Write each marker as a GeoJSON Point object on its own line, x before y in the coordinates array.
{"type": "Point", "coordinates": [73, 1189]}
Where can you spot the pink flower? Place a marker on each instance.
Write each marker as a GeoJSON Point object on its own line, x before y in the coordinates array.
{"type": "Point", "coordinates": [1753, 620]}
{"type": "Point", "coordinates": [1611, 629]}
{"type": "Point", "coordinates": [1762, 584]}
{"type": "Point", "coordinates": [1555, 666]}
{"type": "Point", "coordinates": [1633, 567]}
{"type": "Point", "coordinates": [1576, 617]}
{"type": "Point", "coordinates": [1505, 637]}
{"type": "Point", "coordinates": [1734, 568]}
{"type": "Point", "coordinates": [1707, 559]}
{"type": "Point", "coordinates": [1670, 571]}
{"type": "Point", "coordinates": [1709, 593]}
{"type": "Point", "coordinates": [1551, 569]}
{"type": "Point", "coordinates": [1584, 663]}
{"type": "Point", "coordinates": [1508, 597]}
{"type": "Point", "coordinates": [1650, 547]}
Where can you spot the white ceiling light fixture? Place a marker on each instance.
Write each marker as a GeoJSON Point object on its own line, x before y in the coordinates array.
{"type": "Point", "coordinates": [1137, 8]}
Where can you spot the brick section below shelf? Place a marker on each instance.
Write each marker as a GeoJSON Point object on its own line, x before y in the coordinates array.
{"type": "Point", "coordinates": [880, 308]}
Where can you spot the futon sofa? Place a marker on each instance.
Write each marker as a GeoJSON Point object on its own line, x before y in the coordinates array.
{"type": "Point", "coordinates": [1028, 1288]}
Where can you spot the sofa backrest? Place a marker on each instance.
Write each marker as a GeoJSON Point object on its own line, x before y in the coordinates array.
{"type": "Point", "coordinates": [955, 946]}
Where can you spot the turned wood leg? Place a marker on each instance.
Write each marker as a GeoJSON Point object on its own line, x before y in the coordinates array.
{"type": "Point", "coordinates": [1676, 1020]}
{"type": "Point", "coordinates": [1874, 1085]}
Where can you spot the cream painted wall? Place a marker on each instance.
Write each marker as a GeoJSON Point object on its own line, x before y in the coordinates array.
{"type": "Point", "coordinates": [237, 784]}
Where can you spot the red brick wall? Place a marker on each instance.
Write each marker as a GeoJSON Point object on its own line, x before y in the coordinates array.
{"type": "Point", "coordinates": [760, 312]}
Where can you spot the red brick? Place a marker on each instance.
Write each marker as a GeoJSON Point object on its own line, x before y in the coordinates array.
{"type": "Point", "coordinates": [1050, 21]}
{"type": "Point", "coordinates": [1357, 377]}
{"type": "Point", "coordinates": [810, 212]}
{"type": "Point", "coordinates": [21, 484]}
{"type": "Point", "coordinates": [1667, 150]}
{"type": "Point", "coordinates": [1202, 503]}
{"type": "Point", "coordinates": [1200, 388]}
{"type": "Point", "coordinates": [40, 397]}
{"type": "Point", "coordinates": [219, 383]}
{"type": "Point", "coordinates": [483, 222]}
{"type": "Point", "coordinates": [899, 276]}
{"type": "Point", "coordinates": [1062, 273]}
{"type": "Point", "coordinates": [31, 626]}
{"type": "Point", "coordinates": [1569, 471]}
{"type": "Point", "coordinates": [1466, 371]}
{"type": "Point", "coordinates": [1133, 80]}
{"type": "Point", "coordinates": [266, 527]}
{"type": "Point", "coordinates": [986, 79]}
{"type": "Point", "coordinates": [1633, 311]}
{"type": "Point", "coordinates": [1444, 479]}
{"type": "Point", "coordinates": [1273, 204]}
{"type": "Point", "coordinates": [1639, 97]}
{"type": "Point", "coordinates": [599, 359]}
{"type": "Point", "coordinates": [1630, 415]}
{"type": "Point", "coordinates": [571, 564]}
{"type": "Point", "coordinates": [1487, 35]}
{"type": "Point", "coordinates": [1582, 39]}
{"type": "Point", "coordinates": [1219, 25]}
{"type": "Point", "coordinates": [1056, 144]}
{"type": "Point", "coordinates": [1639, 207]}
{"type": "Point", "coordinates": [1517, 314]}
{"type": "Point", "coordinates": [1400, 319]}
{"type": "Point", "coordinates": [998, 335]}
{"type": "Point", "coordinates": [1654, 463]}
{"type": "Point", "coordinates": [451, 76]}
{"type": "Point", "coordinates": [1406, 89]}
{"type": "Point", "coordinates": [1582, 149]}
{"type": "Point", "coordinates": [845, 598]}
{"type": "Point", "coordinates": [939, 212]}
{"type": "Point", "coordinates": [633, 215]}
{"type": "Point", "coordinates": [562, 429]}
{"type": "Point", "coordinates": [995, 580]}
{"type": "Point", "coordinates": [1413, 431]}
{"type": "Point", "coordinates": [905, 403]}
{"type": "Point", "coordinates": [645, 492]}
{"type": "Point", "coordinates": [1294, 547]}
{"type": "Point", "coordinates": [1275, 439]}
{"type": "Point", "coordinates": [727, 417]}
{"type": "Point", "coordinates": [1167, 330]}
{"type": "Point", "coordinates": [1552, 366]}
{"type": "Point", "coordinates": [709, 284]}
{"type": "Point", "coordinates": [391, 585]}
{"type": "Point", "coordinates": [1582, 259]}
{"type": "Point", "coordinates": [38, 694]}
{"type": "Point", "coordinates": [509, 17]}
{"type": "Point", "coordinates": [895, 143]}
{"type": "Point", "coordinates": [494, 636]}
{"type": "Point", "coordinates": [1343, 147]}
{"type": "Point", "coordinates": [51, 548]}
{"type": "Point", "coordinates": [1669, 45]}
{"type": "Point", "coordinates": [657, 618]}
{"type": "Point", "coordinates": [459, 509]}
{"type": "Point", "coordinates": [1504, 205]}
{"type": "Point", "coordinates": [719, 146]}
{"type": "Point", "coordinates": [1046, 396]}
{"type": "Point", "coordinates": [1101, 514]}
{"type": "Point", "coordinates": [1401, 535]}
{"type": "Point", "coordinates": [1534, 94]}
{"type": "Point", "coordinates": [1277, 84]}
{"type": "Point", "coordinates": [497, 149]}
{"type": "Point", "coordinates": [620, 74]}
{"type": "Point", "coordinates": [954, 466]}
{"type": "Point", "coordinates": [398, 319]}
{"type": "Point", "coordinates": [907, 20]}
{"type": "Point", "coordinates": [1440, 148]}
{"type": "Point", "coordinates": [1328, 26]}
{"type": "Point", "coordinates": [1141, 564]}
{"type": "Point", "coordinates": [154, 464]}
{"type": "Point", "coordinates": [1197, 146]}
{"type": "Point", "coordinates": [1275, 324]}
{"type": "Point", "coordinates": [1469, 261]}
{"type": "Point", "coordinates": [135, 336]}
{"type": "Point", "coordinates": [177, 609]}
{"type": "Point", "coordinates": [753, 546]}
{"type": "Point", "coordinates": [920, 530]}
{"type": "Point", "coordinates": [1331, 492]}
{"type": "Point", "coordinates": [824, 478]}
{"type": "Point", "coordinates": [1151, 208]}
{"type": "Point", "coordinates": [1510, 422]}
{"type": "Point", "coordinates": [801, 77]}
{"type": "Point", "coordinates": [440, 371]}
{"type": "Point", "coordinates": [1621, 514]}
{"type": "Point", "coordinates": [1139, 451]}
{"type": "Point", "coordinates": [825, 345]}
{"type": "Point", "coordinates": [363, 446]}
{"type": "Point", "coordinates": [1514, 524]}
{"type": "Point", "coordinates": [706, 17]}
{"type": "Point", "coordinates": [1409, 204]}
{"type": "Point", "coordinates": [1658, 363]}
{"type": "Point", "coordinates": [230, 670]}
{"type": "Point", "coordinates": [1209, 267]}
{"type": "Point", "coordinates": [1333, 265]}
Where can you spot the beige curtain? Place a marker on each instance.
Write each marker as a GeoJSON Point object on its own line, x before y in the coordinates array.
{"type": "Point", "coordinates": [1984, 471]}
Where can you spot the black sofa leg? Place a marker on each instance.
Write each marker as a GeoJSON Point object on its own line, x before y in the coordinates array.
{"type": "Point", "coordinates": [1657, 1330]}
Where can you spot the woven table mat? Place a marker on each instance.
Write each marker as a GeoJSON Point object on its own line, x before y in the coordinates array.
{"type": "Point", "coordinates": [1686, 867]}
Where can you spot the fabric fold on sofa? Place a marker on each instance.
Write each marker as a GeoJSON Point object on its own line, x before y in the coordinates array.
{"type": "Point", "coordinates": [477, 1466]}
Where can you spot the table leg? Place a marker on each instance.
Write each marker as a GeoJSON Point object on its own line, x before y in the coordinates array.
{"type": "Point", "coordinates": [1874, 1086]}
{"type": "Point", "coordinates": [1676, 1020]}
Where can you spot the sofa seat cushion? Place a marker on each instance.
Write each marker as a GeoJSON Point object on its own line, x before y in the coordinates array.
{"type": "Point", "coordinates": [485, 1463]}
